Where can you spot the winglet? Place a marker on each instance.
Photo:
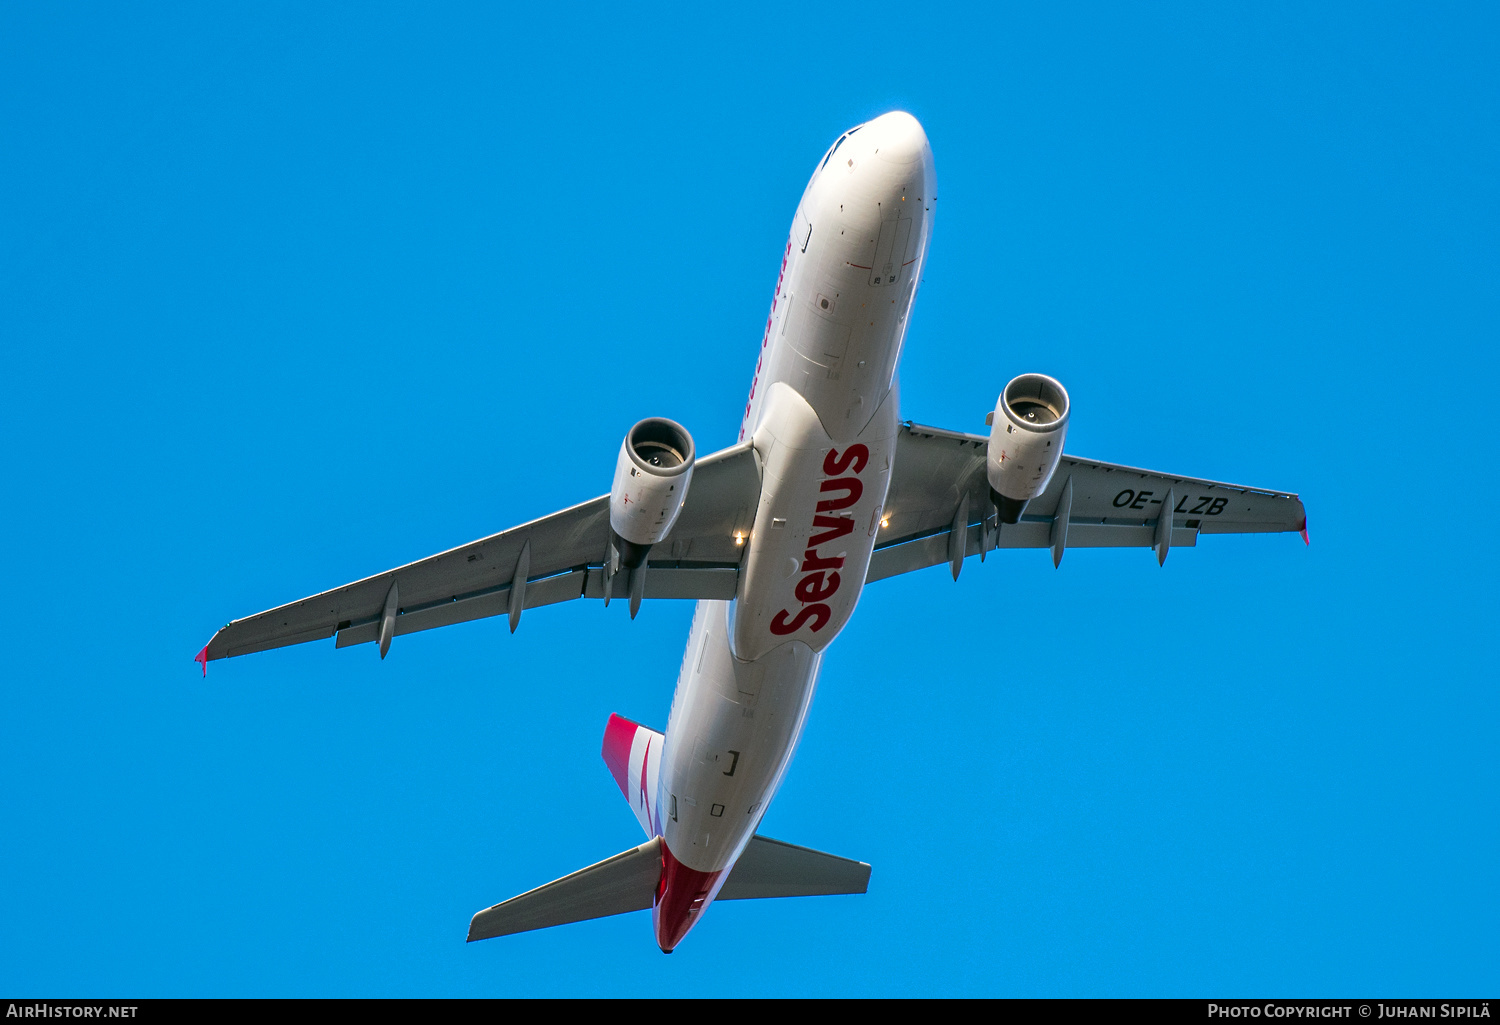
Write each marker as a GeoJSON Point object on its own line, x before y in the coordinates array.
{"type": "Point", "coordinates": [202, 659]}
{"type": "Point", "coordinates": [1304, 532]}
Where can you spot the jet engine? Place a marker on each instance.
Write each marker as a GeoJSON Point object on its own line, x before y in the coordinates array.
{"type": "Point", "coordinates": [1026, 441]}
{"type": "Point", "coordinates": [651, 483]}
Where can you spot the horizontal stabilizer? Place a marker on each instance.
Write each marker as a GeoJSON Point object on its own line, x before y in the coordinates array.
{"type": "Point", "coordinates": [770, 868]}
{"type": "Point", "coordinates": [626, 882]}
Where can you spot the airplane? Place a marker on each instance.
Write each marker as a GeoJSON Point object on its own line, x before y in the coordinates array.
{"type": "Point", "coordinates": [826, 490]}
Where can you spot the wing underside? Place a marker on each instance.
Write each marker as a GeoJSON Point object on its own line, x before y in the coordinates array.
{"type": "Point", "coordinates": [554, 559]}
{"type": "Point", "coordinates": [938, 508]}
{"type": "Point", "coordinates": [937, 511]}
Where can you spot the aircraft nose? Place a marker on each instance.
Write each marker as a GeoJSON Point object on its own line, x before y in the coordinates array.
{"type": "Point", "coordinates": [898, 138]}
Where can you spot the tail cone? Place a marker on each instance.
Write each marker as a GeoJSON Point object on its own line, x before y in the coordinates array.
{"type": "Point", "coordinates": [681, 898]}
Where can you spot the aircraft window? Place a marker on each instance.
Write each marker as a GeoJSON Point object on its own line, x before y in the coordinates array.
{"type": "Point", "coordinates": [837, 145]}
{"type": "Point", "coordinates": [833, 151]}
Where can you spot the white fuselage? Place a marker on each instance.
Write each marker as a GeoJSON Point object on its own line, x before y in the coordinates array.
{"type": "Point", "coordinates": [822, 415]}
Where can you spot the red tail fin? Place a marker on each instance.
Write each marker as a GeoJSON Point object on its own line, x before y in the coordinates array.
{"type": "Point", "coordinates": [618, 736]}
{"type": "Point", "coordinates": [633, 754]}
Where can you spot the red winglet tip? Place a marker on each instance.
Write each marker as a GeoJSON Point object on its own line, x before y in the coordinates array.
{"type": "Point", "coordinates": [202, 659]}
{"type": "Point", "coordinates": [1304, 531]}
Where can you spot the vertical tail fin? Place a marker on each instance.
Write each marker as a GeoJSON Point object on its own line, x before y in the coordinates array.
{"type": "Point", "coordinates": [633, 754]}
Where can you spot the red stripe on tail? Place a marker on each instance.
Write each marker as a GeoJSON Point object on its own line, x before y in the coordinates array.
{"type": "Point", "coordinates": [618, 736]}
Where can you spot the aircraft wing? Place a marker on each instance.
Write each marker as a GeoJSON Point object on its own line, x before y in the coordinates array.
{"type": "Point", "coordinates": [553, 559]}
{"type": "Point", "coordinates": [938, 508]}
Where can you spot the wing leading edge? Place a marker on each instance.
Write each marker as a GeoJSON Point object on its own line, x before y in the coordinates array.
{"type": "Point", "coordinates": [939, 479]}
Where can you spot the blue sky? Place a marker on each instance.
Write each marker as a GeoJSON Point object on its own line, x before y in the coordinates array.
{"type": "Point", "coordinates": [290, 294]}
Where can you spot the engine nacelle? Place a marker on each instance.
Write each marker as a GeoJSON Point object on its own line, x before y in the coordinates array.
{"type": "Point", "coordinates": [1026, 441]}
{"type": "Point", "coordinates": [651, 483]}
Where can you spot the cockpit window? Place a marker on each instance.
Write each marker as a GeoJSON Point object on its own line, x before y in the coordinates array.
{"type": "Point", "coordinates": [833, 151]}
{"type": "Point", "coordinates": [836, 146]}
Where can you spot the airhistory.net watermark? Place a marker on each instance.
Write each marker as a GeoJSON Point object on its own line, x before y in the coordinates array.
{"type": "Point", "coordinates": [43, 1009]}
